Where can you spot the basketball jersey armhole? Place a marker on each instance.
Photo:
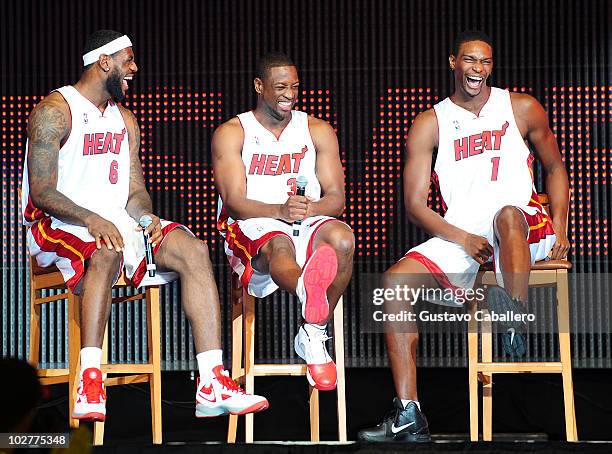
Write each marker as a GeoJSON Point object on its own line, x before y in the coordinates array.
{"type": "Point", "coordinates": [65, 140]}
{"type": "Point", "coordinates": [242, 125]}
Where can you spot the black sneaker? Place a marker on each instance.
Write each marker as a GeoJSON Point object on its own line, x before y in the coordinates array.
{"type": "Point", "coordinates": [400, 424]}
{"type": "Point", "coordinates": [513, 340]}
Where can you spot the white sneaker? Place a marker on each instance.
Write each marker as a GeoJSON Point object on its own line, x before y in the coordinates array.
{"type": "Point", "coordinates": [91, 397]}
{"type": "Point", "coordinates": [310, 346]}
{"type": "Point", "coordinates": [222, 395]}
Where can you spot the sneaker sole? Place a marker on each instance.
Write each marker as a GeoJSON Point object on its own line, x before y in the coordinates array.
{"type": "Point", "coordinates": [92, 416]}
{"type": "Point", "coordinates": [255, 408]}
{"type": "Point", "coordinates": [320, 272]}
{"type": "Point", "coordinates": [209, 412]}
{"type": "Point", "coordinates": [410, 438]}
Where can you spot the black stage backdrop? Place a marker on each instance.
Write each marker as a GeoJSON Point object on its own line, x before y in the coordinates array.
{"type": "Point", "coordinates": [368, 67]}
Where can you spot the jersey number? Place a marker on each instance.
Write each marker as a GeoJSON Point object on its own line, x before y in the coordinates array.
{"type": "Point", "coordinates": [292, 186]}
{"type": "Point", "coordinates": [495, 168]}
{"type": "Point", "coordinates": [113, 173]}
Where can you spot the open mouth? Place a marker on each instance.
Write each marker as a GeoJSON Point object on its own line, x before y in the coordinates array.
{"type": "Point", "coordinates": [124, 82]}
{"type": "Point", "coordinates": [285, 105]}
{"type": "Point", "coordinates": [474, 82]}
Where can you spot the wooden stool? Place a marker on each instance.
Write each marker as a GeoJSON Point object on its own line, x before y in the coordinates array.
{"type": "Point", "coordinates": [543, 273]}
{"type": "Point", "coordinates": [243, 320]}
{"type": "Point", "coordinates": [51, 278]}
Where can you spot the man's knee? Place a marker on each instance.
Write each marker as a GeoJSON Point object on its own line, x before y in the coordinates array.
{"type": "Point", "coordinates": [510, 219]}
{"type": "Point", "coordinates": [105, 262]}
{"type": "Point", "coordinates": [342, 240]}
{"type": "Point", "coordinates": [192, 251]}
{"type": "Point", "coordinates": [278, 244]}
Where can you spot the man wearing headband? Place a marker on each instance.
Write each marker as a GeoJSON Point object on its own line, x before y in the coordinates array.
{"type": "Point", "coordinates": [83, 193]}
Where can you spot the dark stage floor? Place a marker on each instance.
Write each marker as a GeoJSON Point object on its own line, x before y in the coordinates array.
{"type": "Point", "coordinates": [523, 404]}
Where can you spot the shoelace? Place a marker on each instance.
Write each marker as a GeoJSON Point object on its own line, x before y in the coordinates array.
{"type": "Point", "coordinates": [228, 383]}
{"type": "Point", "coordinates": [391, 415]}
{"type": "Point", "coordinates": [93, 390]}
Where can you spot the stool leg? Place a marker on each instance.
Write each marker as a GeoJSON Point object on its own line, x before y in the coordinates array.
{"type": "Point", "coordinates": [313, 399]}
{"type": "Point", "coordinates": [566, 356]}
{"type": "Point", "coordinates": [34, 355]}
{"type": "Point", "coordinates": [473, 373]}
{"type": "Point", "coordinates": [153, 327]}
{"type": "Point", "coordinates": [339, 352]}
{"type": "Point", "coordinates": [237, 325]}
{"type": "Point", "coordinates": [487, 386]}
{"type": "Point", "coordinates": [74, 350]}
{"type": "Point", "coordinates": [249, 356]}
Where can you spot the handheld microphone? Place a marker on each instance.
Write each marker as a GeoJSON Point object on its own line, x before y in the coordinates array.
{"type": "Point", "coordinates": [300, 189]}
{"type": "Point", "coordinates": [145, 221]}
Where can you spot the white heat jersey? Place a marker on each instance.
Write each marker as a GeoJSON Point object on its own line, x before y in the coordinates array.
{"type": "Point", "coordinates": [93, 163]}
{"type": "Point", "coordinates": [272, 165]}
{"type": "Point", "coordinates": [482, 163]}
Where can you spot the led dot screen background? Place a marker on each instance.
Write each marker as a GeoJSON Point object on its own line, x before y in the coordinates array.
{"type": "Point", "coordinates": [368, 68]}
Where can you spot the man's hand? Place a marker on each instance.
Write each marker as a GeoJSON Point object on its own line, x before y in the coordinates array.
{"type": "Point", "coordinates": [294, 209]}
{"type": "Point", "coordinates": [477, 247]}
{"type": "Point", "coordinates": [154, 230]}
{"type": "Point", "coordinates": [562, 245]}
{"type": "Point", "coordinates": [104, 230]}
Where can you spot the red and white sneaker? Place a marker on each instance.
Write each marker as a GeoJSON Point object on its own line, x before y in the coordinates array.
{"type": "Point", "coordinates": [91, 397]}
{"type": "Point", "coordinates": [223, 395]}
{"type": "Point", "coordinates": [318, 274]}
{"type": "Point", "coordinates": [310, 346]}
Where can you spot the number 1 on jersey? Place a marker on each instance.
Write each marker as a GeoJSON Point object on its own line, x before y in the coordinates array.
{"type": "Point", "coordinates": [495, 168]}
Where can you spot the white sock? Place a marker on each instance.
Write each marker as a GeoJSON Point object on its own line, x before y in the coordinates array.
{"type": "Point", "coordinates": [207, 361]}
{"type": "Point", "coordinates": [407, 401]}
{"type": "Point", "coordinates": [90, 357]}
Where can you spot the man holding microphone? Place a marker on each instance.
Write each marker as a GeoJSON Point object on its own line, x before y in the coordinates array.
{"type": "Point", "coordinates": [281, 187]}
{"type": "Point", "coordinates": [83, 193]}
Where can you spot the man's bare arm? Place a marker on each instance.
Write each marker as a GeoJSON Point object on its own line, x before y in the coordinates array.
{"type": "Point", "coordinates": [422, 139]}
{"type": "Point", "coordinates": [329, 170]}
{"type": "Point", "coordinates": [533, 123]}
{"type": "Point", "coordinates": [139, 200]}
{"type": "Point", "coordinates": [230, 175]}
{"type": "Point", "coordinates": [48, 125]}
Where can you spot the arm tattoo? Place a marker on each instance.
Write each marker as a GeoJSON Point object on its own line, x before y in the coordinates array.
{"type": "Point", "coordinates": [139, 200]}
{"type": "Point", "coordinates": [47, 127]}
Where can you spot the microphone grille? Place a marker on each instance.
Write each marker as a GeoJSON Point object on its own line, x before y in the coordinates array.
{"type": "Point", "coordinates": [301, 181]}
{"type": "Point", "coordinates": [145, 221]}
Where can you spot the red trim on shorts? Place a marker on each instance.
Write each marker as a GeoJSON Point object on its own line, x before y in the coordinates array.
{"type": "Point", "coordinates": [142, 266]}
{"type": "Point", "coordinates": [539, 226]}
{"type": "Point", "coordinates": [309, 249]}
{"type": "Point", "coordinates": [31, 213]}
{"type": "Point", "coordinates": [64, 244]}
{"type": "Point", "coordinates": [222, 221]}
{"type": "Point", "coordinates": [245, 249]}
{"type": "Point", "coordinates": [439, 275]}
{"type": "Point", "coordinates": [436, 181]}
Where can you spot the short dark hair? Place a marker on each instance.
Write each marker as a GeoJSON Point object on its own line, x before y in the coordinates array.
{"type": "Point", "coordinates": [100, 38]}
{"type": "Point", "coordinates": [271, 60]}
{"type": "Point", "coordinates": [470, 35]}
